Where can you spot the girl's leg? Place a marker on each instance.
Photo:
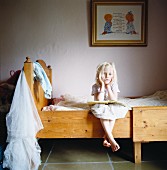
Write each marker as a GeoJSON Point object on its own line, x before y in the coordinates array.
{"type": "Point", "coordinates": [108, 126]}
{"type": "Point", "coordinates": [106, 143]}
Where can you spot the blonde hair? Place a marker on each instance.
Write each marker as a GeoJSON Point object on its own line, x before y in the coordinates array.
{"type": "Point", "coordinates": [100, 69]}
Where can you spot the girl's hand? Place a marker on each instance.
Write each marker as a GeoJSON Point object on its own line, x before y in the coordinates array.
{"type": "Point", "coordinates": [100, 79]}
{"type": "Point", "coordinates": [102, 84]}
{"type": "Point", "coordinates": [108, 86]}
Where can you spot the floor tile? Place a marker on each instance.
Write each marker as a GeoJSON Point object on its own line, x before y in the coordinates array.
{"type": "Point", "coordinates": [91, 166]}
{"type": "Point", "coordinates": [78, 151]}
{"type": "Point", "coordinates": [126, 166]}
{"type": "Point", "coordinates": [162, 165]}
{"type": "Point", "coordinates": [89, 154]}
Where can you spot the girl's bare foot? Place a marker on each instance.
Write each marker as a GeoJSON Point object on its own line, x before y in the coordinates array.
{"type": "Point", "coordinates": [115, 147]}
{"type": "Point", "coordinates": [106, 143]}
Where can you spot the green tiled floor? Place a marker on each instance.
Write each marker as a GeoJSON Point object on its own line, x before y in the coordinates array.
{"type": "Point", "coordinates": [89, 154]}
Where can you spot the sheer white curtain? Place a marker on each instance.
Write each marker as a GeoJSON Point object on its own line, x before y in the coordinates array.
{"type": "Point", "coordinates": [23, 123]}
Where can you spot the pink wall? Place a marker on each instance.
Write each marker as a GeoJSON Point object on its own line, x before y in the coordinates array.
{"type": "Point", "coordinates": [59, 32]}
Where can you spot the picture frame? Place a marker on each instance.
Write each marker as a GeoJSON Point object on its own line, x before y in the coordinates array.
{"type": "Point", "coordinates": [119, 22]}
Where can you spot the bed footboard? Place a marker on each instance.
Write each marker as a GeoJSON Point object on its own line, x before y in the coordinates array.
{"type": "Point", "coordinates": [149, 124]}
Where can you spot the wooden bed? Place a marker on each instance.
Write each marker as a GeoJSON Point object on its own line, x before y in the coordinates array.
{"type": "Point", "coordinates": [141, 124]}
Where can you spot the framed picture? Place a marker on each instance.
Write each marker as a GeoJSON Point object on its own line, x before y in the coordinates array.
{"type": "Point", "coordinates": [119, 22]}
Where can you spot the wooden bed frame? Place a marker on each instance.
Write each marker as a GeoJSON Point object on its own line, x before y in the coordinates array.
{"type": "Point", "coordinates": [141, 124]}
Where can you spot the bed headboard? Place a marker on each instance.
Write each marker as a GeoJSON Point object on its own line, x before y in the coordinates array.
{"type": "Point", "coordinates": [35, 87]}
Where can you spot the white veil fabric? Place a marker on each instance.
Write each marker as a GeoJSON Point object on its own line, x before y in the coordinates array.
{"type": "Point", "coordinates": [23, 123]}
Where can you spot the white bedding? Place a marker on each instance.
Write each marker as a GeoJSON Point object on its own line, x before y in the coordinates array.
{"type": "Point", "coordinates": [159, 98]}
{"type": "Point", "coordinates": [69, 102]}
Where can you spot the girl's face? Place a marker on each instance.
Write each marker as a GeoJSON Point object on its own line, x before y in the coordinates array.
{"type": "Point", "coordinates": [107, 75]}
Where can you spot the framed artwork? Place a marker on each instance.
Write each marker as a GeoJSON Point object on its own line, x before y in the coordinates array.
{"type": "Point", "coordinates": [119, 23]}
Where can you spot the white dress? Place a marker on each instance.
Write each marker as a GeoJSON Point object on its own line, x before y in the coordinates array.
{"type": "Point", "coordinates": [110, 111]}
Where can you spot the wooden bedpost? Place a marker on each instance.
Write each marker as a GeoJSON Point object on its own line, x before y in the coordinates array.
{"type": "Point", "coordinates": [28, 70]}
{"type": "Point", "coordinates": [35, 87]}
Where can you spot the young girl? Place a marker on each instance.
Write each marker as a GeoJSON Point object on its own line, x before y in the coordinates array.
{"type": "Point", "coordinates": [106, 88]}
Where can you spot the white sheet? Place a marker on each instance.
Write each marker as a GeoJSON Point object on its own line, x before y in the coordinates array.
{"type": "Point", "coordinates": [70, 102]}
{"type": "Point", "coordinates": [159, 98]}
